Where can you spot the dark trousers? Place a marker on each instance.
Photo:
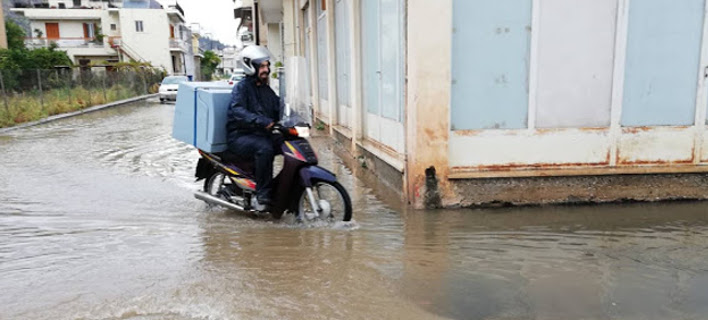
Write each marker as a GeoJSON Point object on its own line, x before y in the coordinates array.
{"type": "Point", "coordinates": [261, 150]}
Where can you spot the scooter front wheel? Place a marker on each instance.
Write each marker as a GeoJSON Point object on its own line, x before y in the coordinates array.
{"type": "Point", "coordinates": [331, 198]}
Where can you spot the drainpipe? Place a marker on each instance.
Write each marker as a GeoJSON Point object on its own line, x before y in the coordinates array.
{"type": "Point", "coordinates": [257, 27]}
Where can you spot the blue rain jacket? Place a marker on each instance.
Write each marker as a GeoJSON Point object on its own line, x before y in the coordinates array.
{"type": "Point", "coordinates": [252, 108]}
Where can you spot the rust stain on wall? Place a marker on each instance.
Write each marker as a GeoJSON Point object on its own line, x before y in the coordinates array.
{"type": "Point", "coordinates": [530, 166]}
{"type": "Point", "coordinates": [656, 163]}
{"type": "Point", "coordinates": [429, 133]}
{"type": "Point", "coordinates": [627, 161]}
{"type": "Point", "coordinates": [468, 133]}
{"type": "Point", "coordinates": [635, 130]}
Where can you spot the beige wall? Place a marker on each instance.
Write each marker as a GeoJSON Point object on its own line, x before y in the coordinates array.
{"type": "Point", "coordinates": [428, 89]}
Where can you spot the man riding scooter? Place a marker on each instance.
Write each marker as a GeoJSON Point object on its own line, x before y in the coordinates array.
{"type": "Point", "coordinates": [253, 111]}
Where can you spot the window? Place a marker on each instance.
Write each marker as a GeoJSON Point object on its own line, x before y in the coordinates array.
{"type": "Point", "coordinates": [113, 27]}
{"type": "Point", "coordinates": [62, 5]}
{"type": "Point", "coordinates": [77, 3]}
{"type": "Point", "coordinates": [139, 26]}
{"type": "Point", "coordinates": [89, 30]}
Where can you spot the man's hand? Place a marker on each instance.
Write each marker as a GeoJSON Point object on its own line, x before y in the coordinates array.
{"type": "Point", "coordinates": [269, 126]}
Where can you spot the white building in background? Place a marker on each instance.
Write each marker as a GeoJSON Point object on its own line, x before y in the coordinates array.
{"type": "Point", "coordinates": [93, 32]}
{"type": "Point", "coordinates": [198, 53]}
{"type": "Point", "coordinates": [229, 60]}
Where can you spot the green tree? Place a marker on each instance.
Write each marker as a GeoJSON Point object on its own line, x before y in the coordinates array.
{"type": "Point", "coordinates": [209, 64]}
{"type": "Point", "coordinates": [15, 36]}
{"type": "Point", "coordinates": [47, 58]}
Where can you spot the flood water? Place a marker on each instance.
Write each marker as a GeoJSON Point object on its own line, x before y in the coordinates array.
{"type": "Point", "coordinates": [98, 221]}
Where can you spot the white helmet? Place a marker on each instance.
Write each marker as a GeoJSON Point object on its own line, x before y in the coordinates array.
{"type": "Point", "coordinates": [251, 57]}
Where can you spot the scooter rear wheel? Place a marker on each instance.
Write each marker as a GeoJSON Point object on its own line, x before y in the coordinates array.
{"type": "Point", "coordinates": [337, 206]}
{"type": "Point", "coordinates": [215, 183]}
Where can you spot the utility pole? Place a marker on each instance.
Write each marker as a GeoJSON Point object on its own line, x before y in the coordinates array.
{"type": "Point", "coordinates": [3, 35]}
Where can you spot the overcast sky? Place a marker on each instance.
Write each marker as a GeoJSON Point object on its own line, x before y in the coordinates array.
{"type": "Point", "coordinates": [214, 16]}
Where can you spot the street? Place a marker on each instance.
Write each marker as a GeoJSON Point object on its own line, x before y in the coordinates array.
{"type": "Point", "coordinates": [98, 221]}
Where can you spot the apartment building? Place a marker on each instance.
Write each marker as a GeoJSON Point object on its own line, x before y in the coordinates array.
{"type": "Point", "coordinates": [94, 32]}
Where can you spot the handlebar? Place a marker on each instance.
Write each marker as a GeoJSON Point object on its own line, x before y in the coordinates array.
{"type": "Point", "coordinates": [290, 131]}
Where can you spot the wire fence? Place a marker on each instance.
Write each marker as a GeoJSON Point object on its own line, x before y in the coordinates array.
{"type": "Point", "coordinates": [29, 95]}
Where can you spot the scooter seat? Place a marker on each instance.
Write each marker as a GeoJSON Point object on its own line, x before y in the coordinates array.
{"type": "Point", "coordinates": [244, 165]}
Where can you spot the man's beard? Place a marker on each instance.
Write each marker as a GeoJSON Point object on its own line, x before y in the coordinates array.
{"type": "Point", "coordinates": [263, 77]}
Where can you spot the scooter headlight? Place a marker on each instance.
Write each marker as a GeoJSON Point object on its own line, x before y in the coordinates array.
{"type": "Point", "coordinates": [303, 132]}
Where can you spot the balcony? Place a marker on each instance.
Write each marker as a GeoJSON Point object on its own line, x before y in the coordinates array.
{"type": "Point", "coordinates": [44, 4]}
{"type": "Point", "coordinates": [30, 4]}
{"type": "Point", "coordinates": [178, 45]}
{"type": "Point", "coordinates": [175, 10]}
{"type": "Point", "coordinates": [271, 10]}
{"type": "Point", "coordinates": [59, 14]}
{"type": "Point", "coordinates": [178, 8]}
{"type": "Point", "coordinates": [64, 43]}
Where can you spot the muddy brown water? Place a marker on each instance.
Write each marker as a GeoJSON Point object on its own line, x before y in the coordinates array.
{"type": "Point", "coordinates": [98, 221]}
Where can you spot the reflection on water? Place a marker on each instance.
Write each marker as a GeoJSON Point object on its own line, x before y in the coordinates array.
{"type": "Point", "coordinates": [624, 261]}
{"type": "Point", "coordinates": [97, 221]}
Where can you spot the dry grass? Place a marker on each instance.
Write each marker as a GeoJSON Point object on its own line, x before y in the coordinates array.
{"type": "Point", "coordinates": [27, 107]}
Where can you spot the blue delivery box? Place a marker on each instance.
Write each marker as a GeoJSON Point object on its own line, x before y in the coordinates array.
{"type": "Point", "coordinates": [200, 115]}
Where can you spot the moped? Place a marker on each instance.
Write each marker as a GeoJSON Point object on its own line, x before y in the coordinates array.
{"type": "Point", "coordinates": [301, 187]}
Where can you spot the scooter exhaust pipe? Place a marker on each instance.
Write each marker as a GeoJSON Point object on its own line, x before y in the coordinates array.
{"type": "Point", "coordinates": [214, 200]}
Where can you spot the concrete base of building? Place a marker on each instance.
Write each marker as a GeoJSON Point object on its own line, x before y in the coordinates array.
{"type": "Point", "coordinates": [580, 190]}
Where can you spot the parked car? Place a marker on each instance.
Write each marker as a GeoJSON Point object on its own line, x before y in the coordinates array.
{"type": "Point", "coordinates": [169, 86]}
{"type": "Point", "coordinates": [236, 77]}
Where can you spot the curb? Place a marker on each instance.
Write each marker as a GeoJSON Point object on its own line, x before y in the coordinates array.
{"type": "Point", "coordinates": [77, 113]}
